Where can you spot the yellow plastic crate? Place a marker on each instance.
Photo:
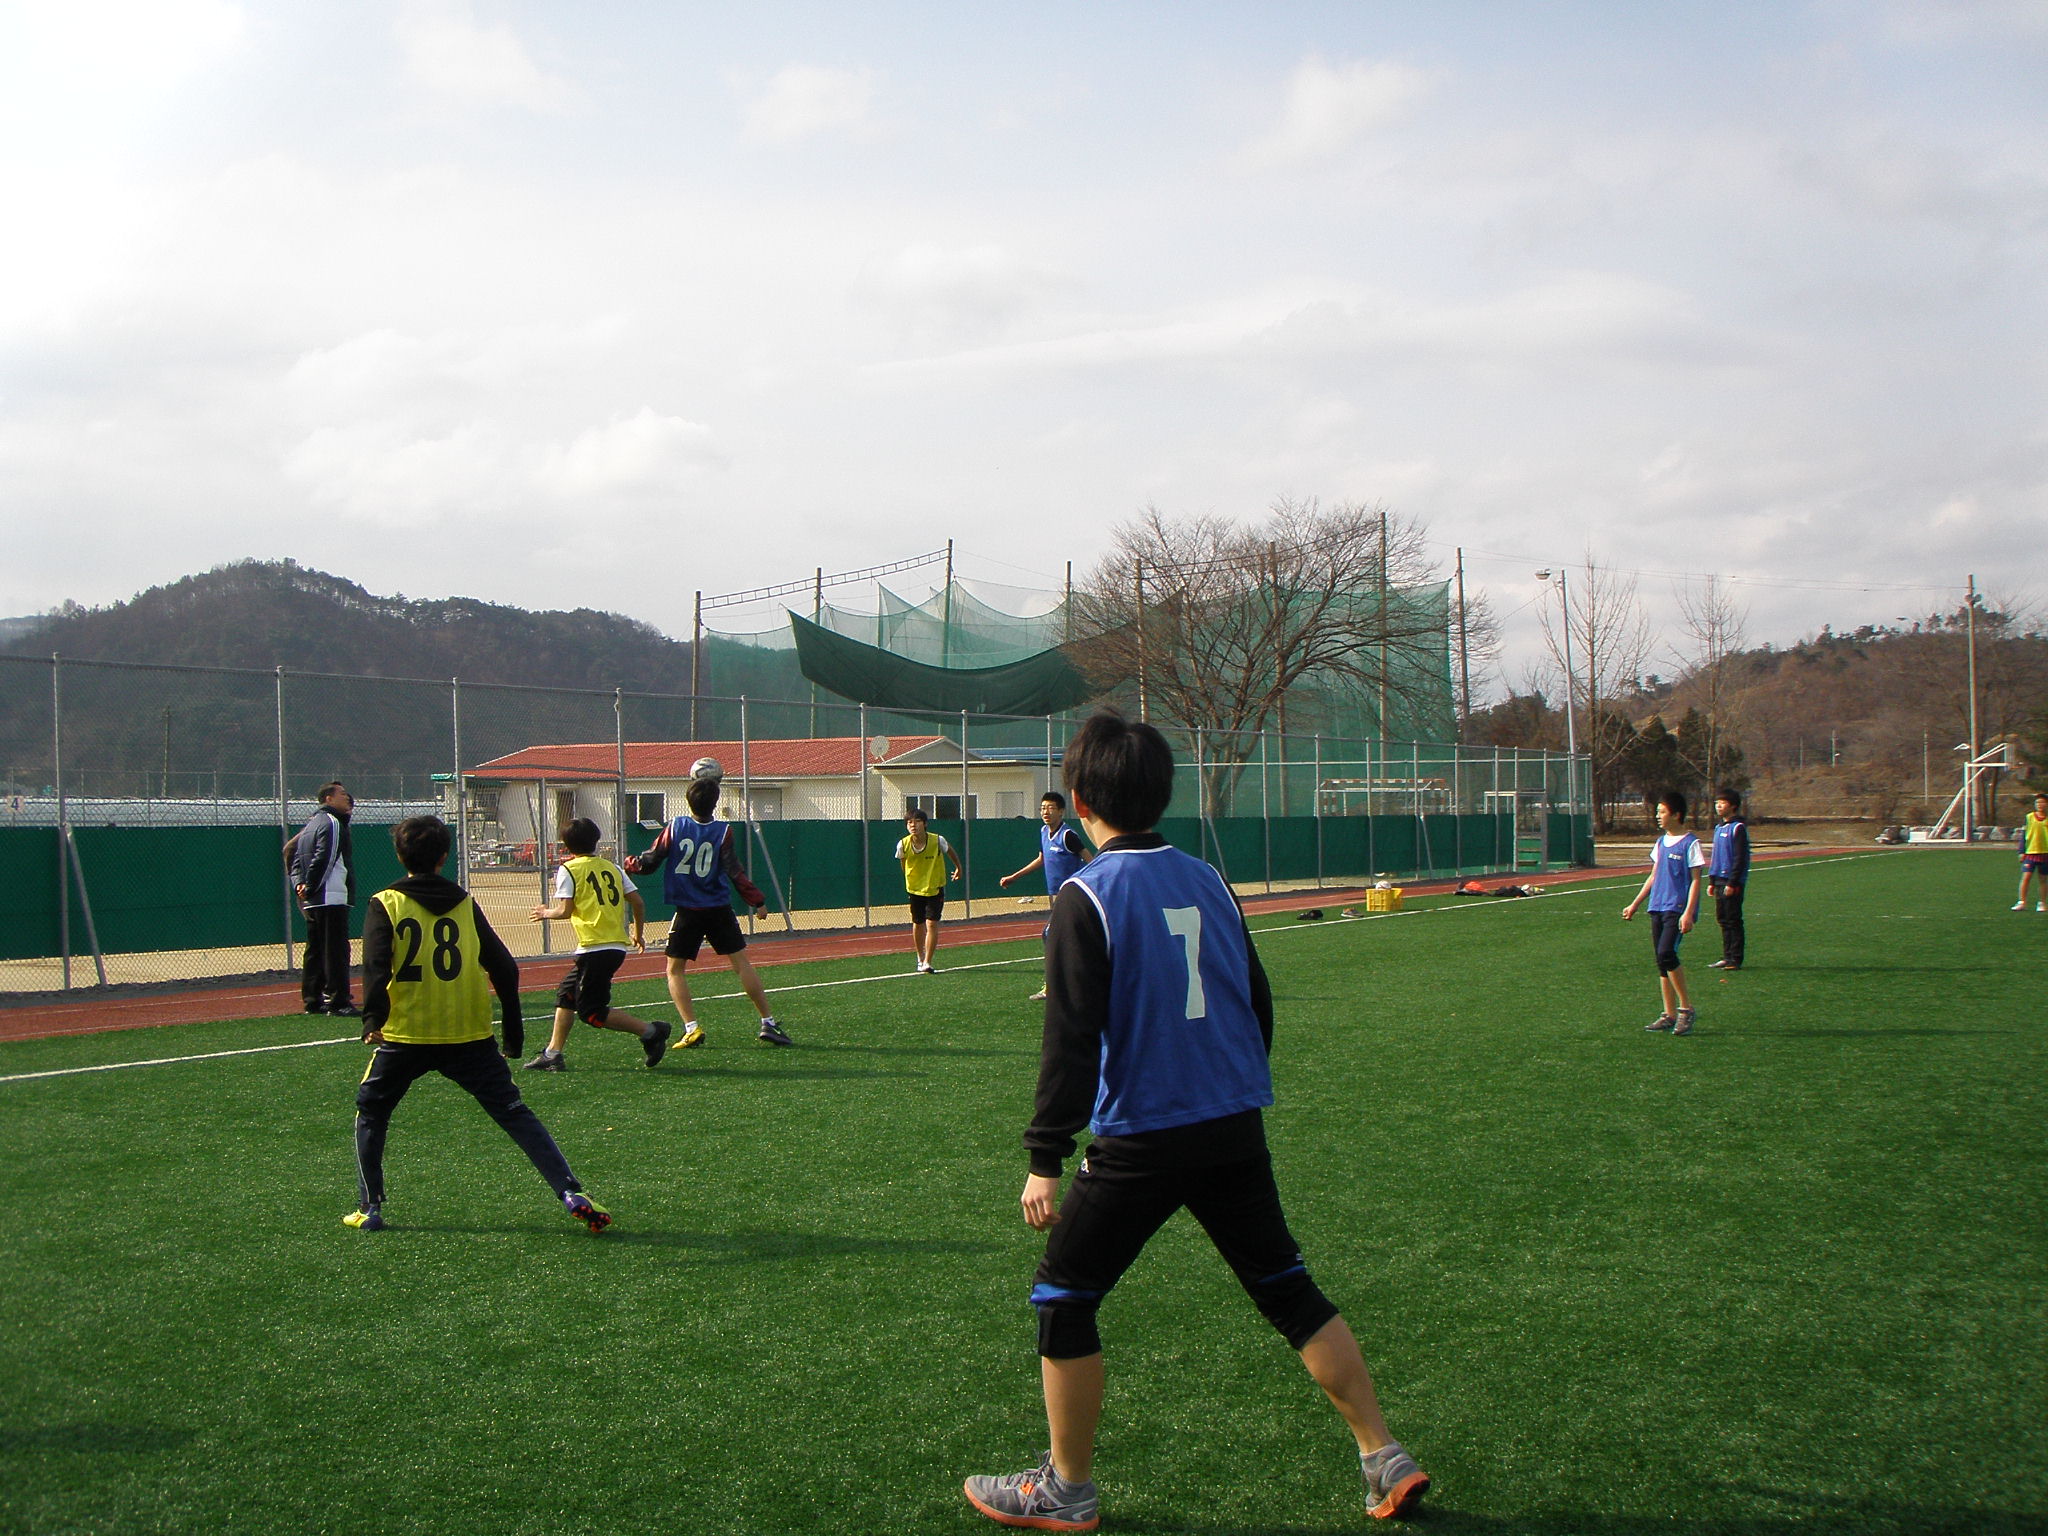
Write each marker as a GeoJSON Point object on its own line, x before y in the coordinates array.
{"type": "Point", "coordinates": [1383, 901]}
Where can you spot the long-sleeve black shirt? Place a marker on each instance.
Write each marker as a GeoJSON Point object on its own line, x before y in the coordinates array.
{"type": "Point", "coordinates": [1077, 969]}
{"type": "Point", "coordinates": [439, 895]}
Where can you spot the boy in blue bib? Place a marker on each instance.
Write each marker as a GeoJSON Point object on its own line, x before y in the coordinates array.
{"type": "Point", "coordinates": [1158, 1020]}
{"type": "Point", "coordinates": [1673, 892]}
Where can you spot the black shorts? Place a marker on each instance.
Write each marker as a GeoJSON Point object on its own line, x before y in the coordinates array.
{"type": "Point", "coordinates": [693, 925]}
{"type": "Point", "coordinates": [1664, 937]}
{"type": "Point", "coordinates": [926, 909]}
{"type": "Point", "coordinates": [587, 990]}
{"type": "Point", "coordinates": [1112, 1208]}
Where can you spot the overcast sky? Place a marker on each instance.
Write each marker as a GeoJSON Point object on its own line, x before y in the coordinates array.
{"type": "Point", "coordinates": [566, 304]}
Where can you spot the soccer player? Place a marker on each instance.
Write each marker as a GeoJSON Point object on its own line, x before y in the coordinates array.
{"type": "Point", "coordinates": [1728, 876]}
{"type": "Point", "coordinates": [1060, 853]}
{"type": "Point", "coordinates": [2034, 856]}
{"type": "Point", "coordinates": [1159, 1016]}
{"type": "Point", "coordinates": [593, 894]}
{"type": "Point", "coordinates": [1673, 892]}
{"type": "Point", "coordinates": [700, 871]}
{"type": "Point", "coordinates": [925, 857]}
{"type": "Point", "coordinates": [430, 962]}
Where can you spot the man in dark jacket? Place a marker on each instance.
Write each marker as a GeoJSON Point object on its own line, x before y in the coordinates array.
{"type": "Point", "coordinates": [324, 876]}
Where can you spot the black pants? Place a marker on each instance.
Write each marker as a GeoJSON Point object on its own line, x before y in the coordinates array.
{"type": "Point", "coordinates": [1728, 913]}
{"type": "Point", "coordinates": [474, 1066]}
{"type": "Point", "coordinates": [1112, 1209]}
{"type": "Point", "coordinates": [323, 979]}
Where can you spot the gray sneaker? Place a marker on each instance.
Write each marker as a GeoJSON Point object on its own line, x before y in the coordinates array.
{"type": "Point", "coordinates": [1662, 1021]}
{"type": "Point", "coordinates": [772, 1033]}
{"type": "Point", "coordinates": [656, 1045]}
{"type": "Point", "coordinates": [1684, 1024]}
{"type": "Point", "coordinates": [1028, 1499]}
{"type": "Point", "coordinates": [1394, 1485]}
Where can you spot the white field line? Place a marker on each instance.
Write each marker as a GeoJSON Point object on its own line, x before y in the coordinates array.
{"type": "Point", "coordinates": [168, 1061]}
{"type": "Point", "coordinates": [1577, 889]}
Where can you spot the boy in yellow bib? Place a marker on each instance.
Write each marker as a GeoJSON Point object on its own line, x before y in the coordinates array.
{"type": "Point", "coordinates": [430, 964]}
{"type": "Point", "coordinates": [924, 856]}
{"type": "Point", "coordinates": [594, 895]}
{"type": "Point", "coordinates": [2034, 855]}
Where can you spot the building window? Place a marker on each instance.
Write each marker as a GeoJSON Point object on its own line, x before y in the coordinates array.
{"type": "Point", "coordinates": [649, 810]}
{"type": "Point", "coordinates": [942, 807]}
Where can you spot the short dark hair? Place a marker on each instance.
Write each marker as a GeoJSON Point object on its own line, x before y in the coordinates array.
{"type": "Point", "coordinates": [1673, 800]}
{"type": "Point", "coordinates": [702, 796]}
{"type": "Point", "coordinates": [581, 836]}
{"type": "Point", "coordinates": [915, 813]}
{"type": "Point", "coordinates": [422, 843]}
{"type": "Point", "coordinates": [1732, 796]}
{"type": "Point", "coordinates": [1122, 770]}
{"type": "Point", "coordinates": [330, 787]}
{"type": "Point", "coordinates": [1055, 797]}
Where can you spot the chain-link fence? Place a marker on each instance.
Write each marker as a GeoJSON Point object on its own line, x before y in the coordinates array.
{"type": "Point", "coordinates": [143, 809]}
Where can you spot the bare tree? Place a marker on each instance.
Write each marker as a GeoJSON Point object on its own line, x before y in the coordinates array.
{"type": "Point", "coordinates": [1229, 629]}
{"type": "Point", "coordinates": [1610, 641]}
{"type": "Point", "coordinates": [1715, 621]}
{"type": "Point", "coordinates": [1475, 631]}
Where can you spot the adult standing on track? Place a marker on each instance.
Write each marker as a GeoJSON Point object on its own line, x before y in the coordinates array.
{"type": "Point", "coordinates": [324, 876]}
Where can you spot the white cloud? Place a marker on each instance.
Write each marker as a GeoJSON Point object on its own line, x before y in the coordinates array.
{"type": "Point", "coordinates": [1332, 107]}
{"type": "Point", "coordinates": [805, 99]}
{"type": "Point", "coordinates": [956, 293]}
{"type": "Point", "coordinates": [451, 54]}
{"type": "Point", "coordinates": [115, 49]}
{"type": "Point", "coordinates": [641, 452]}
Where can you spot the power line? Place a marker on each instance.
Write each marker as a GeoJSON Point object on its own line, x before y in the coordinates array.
{"type": "Point", "coordinates": [1789, 582]}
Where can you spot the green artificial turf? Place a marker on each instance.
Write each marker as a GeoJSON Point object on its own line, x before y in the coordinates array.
{"type": "Point", "coordinates": [1785, 1275]}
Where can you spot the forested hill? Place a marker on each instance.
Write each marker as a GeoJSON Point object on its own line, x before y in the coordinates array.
{"type": "Point", "coordinates": [262, 614]}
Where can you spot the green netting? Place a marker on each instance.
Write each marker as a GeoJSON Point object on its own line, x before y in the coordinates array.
{"type": "Point", "coordinates": [1041, 684]}
{"type": "Point", "coordinates": [949, 651]}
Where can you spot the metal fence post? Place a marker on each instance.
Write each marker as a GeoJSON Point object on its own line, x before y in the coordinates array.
{"type": "Point", "coordinates": [462, 792]}
{"type": "Point", "coordinates": [1266, 812]}
{"type": "Point", "coordinates": [619, 793]}
{"type": "Point", "coordinates": [63, 813]}
{"type": "Point", "coordinates": [747, 796]}
{"type": "Point", "coordinates": [284, 822]}
{"type": "Point", "coordinates": [966, 827]}
{"type": "Point", "coordinates": [1316, 790]}
{"type": "Point", "coordinates": [867, 895]}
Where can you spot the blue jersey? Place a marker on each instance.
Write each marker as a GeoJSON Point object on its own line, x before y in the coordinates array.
{"type": "Point", "coordinates": [1676, 859]}
{"type": "Point", "coordinates": [1182, 1044]}
{"type": "Point", "coordinates": [695, 873]}
{"type": "Point", "coordinates": [1059, 864]}
{"type": "Point", "coordinates": [1731, 854]}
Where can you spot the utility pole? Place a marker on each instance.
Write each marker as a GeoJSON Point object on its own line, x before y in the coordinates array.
{"type": "Point", "coordinates": [1464, 658]}
{"type": "Point", "coordinates": [1138, 566]}
{"type": "Point", "coordinates": [1970, 771]}
{"type": "Point", "coordinates": [1383, 633]}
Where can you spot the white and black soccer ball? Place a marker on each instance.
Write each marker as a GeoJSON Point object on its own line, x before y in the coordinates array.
{"type": "Point", "coordinates": [707, 768]}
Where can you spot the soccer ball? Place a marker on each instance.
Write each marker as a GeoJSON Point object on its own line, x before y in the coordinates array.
{"type": "Point", "coordinates": [707, 768]}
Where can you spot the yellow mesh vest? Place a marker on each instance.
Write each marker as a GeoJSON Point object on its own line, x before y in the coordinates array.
{"type": "Point", "coordinates": [598, 910]}
{"type": "Point", "coordinates": [924, 874]}
{"type": "Point", "coordinates": [439, 992]}
{"type": "Point", "coordinates": [2037, 834]}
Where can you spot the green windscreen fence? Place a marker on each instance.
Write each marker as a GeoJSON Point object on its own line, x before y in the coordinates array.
{"type": "Point", "coordinates": [157, 889]}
